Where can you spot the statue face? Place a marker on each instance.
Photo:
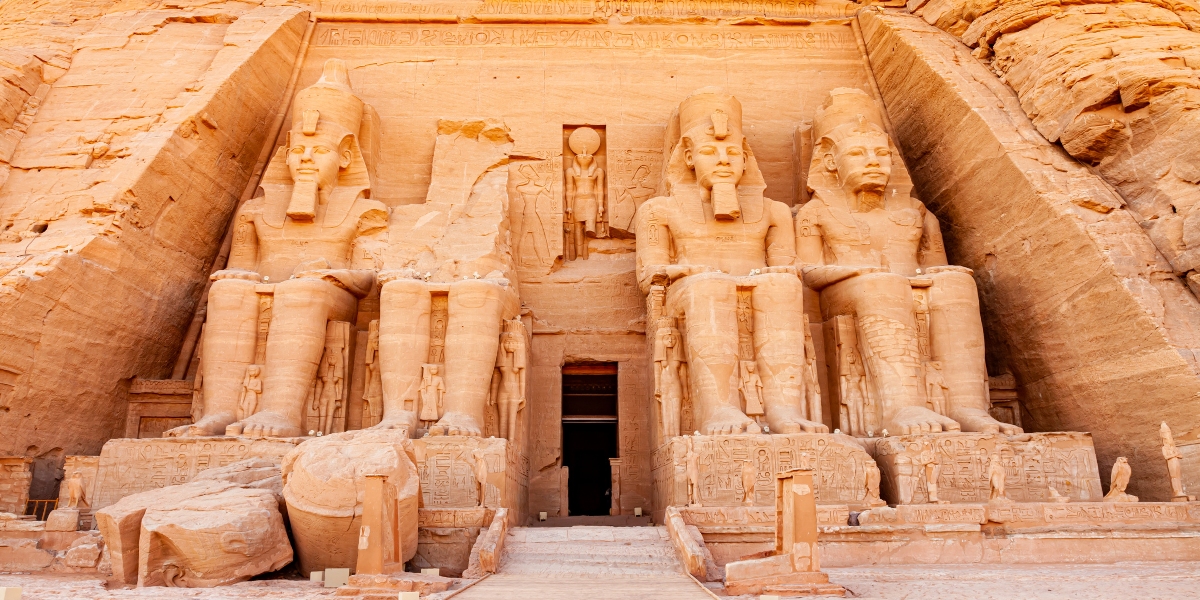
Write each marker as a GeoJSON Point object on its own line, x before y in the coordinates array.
{"type": "Point", "coordinates": [583, 159]}
{"type": "Point", "coordinates": [716, 161]}
{"type": "Point", "coordinates": [863, 162]}
{"type": "Point", "coordinates": [510, 345]}
{"type": "Point", "coordinates": [669, 340]}
{"type": "Point", "coordinates": [318, 157]}
{"type": "Point", "coordinates": [433, 370]}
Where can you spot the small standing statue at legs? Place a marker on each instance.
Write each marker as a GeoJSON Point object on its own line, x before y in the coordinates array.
{"type": "Point", "coordinates": [670, 371]}
{"type": "Point", "coordinates": [251, 388]}
{"type": "Point", "coordinates": [751, 386]}
{"type": "Point", "coordinates": [372, 384]}
{"type": "Point", "coordinates": [511, 362]}
{"type": "Point", "coordinates": [431, 392]}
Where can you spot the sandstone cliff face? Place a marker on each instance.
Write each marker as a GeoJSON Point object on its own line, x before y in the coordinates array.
{"type": "Point", "coordinates": [1077, 300]}
{"type": "Point", "coordinates": [125, 140]}
{"type": "Point", "coordinates": [1117, 85]}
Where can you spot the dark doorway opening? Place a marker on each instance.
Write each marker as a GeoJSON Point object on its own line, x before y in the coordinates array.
{"type": "Point", "coordinates": [589, 434]}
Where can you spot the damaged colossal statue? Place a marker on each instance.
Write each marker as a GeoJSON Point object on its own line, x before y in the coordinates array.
{"type": "Point", "coordinates": [875, 255]}
{"type": "Point", "coordinates": [715, 242]}
{"type": "Point", "coordinates": [296, 243]}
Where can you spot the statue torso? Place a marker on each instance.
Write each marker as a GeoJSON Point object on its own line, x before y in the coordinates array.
{"type": "Point", "coordinates": [888, 237]}
{"type": "Point", "coordinates": [283, 247]}
{"type": "Point", "coordinates": [734, 247]}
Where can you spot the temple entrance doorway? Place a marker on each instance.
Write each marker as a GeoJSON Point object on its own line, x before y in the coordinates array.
{"type": "Point", "coordinates": [589, 434]}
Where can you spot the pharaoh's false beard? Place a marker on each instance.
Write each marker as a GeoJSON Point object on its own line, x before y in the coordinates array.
{"type": "Point", "coordinates": [725, 201]}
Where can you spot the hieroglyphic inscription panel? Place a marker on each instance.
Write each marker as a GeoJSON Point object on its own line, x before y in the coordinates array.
{"type": "Point", "coordinates": [129, 466]}
{"type": "Point", "coordinates": [635, 163]}
{"type": "Point", "coordinates": [1042, 514]}
{"type": "Point", "coordinates": [1032, 462]}
{"type": "Point", "coordinates": [447, 469]}
{"type": "Point", "coordinates": [714, 519]}
{"type": "Point", "coordinates": [600, 10]}
{"type": "Point", "coordinates": [839, 463]}
{"type": "Point", "coordinates": [355, 35]}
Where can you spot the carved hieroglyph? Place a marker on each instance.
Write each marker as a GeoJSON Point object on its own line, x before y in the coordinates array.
{"type": "Point", "coordinates": [715, 238]}
{"type": "Point", "coordinates": [449, 467]}
{"type": "Point", "coordinates": [840, 464]}
{"type": "Point", "coordinates": [1032, 464]}
{"type": "Point", "coordinates": [296, 238]}
{"type": "Point", "coordinates": [875, 255]}
{"type": "Point", "coordinates": [324, 487]}
{"type": "Point", "coordinates": [128, 466]}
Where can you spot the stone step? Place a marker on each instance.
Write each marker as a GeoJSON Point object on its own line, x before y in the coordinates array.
{"type": "Point", "coordinates": [589, 551]}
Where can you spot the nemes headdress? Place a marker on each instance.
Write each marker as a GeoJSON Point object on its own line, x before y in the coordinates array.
{"type": "Point", "coordinates": [329, 105]}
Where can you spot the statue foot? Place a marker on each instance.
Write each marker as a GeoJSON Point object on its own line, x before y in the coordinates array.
{"type": "Point", "coordinates": [456, 424]}
{"type": "Point", "coordinates": [916, 419]}
{"type": "Point", "coordinates": [727, 421]}
{"type": "Point", "coordinates": [974, 419]}
{"type": "Point", "coordinates": [208, 426]}
{"type": "Point", "coordinates": [268, 424]}
{"type": "Point", "coordinates": [787, 419]}
{"type": "Point", "coordinates": [402, 419]}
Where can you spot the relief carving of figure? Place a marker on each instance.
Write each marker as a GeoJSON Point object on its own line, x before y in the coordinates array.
{"type": "Point", "coordinates": [480, 467]}
{"type": "Point", "coordinates": [711, 235]}
{"type": "Point", "coordinates": [860, 239]}
{"type": "Point", "coordinates": [935, 386]}
{"type": "Point", "coordinates": [692, 462]}
{"type": "Point", "coordinates": [812, 382]}
{"type": "Point", "coordinates": [749, 480]}
{"type": "Point", "coordinates": [251, 389]}
{"type": "Point", "coordinates": [585, 193]}
{"type": "Point", "coordinates": [908, 472]}
{"type": "Point", "coordinates": [871, 478]}
{"type": "Point", "coordinates": [528, 220]}
{"type": "Point", "coordinates": [670, 372]}
{"type": "Point", "coordinates": [372, 384]}
{"type": "Point", "coordinates": [433, 388]}
{"type": "Point", "coordinates": [298, 236]}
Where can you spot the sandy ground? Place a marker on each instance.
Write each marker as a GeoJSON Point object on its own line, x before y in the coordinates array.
{"type": "Point", "coordinates": [1132, 581]}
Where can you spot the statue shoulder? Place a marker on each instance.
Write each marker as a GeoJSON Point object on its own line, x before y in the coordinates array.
{"type": "Point", "coordinates": [778, 210]}
{"type": "Point", "coordinates": [372, 215]}
{"type": "Point", "coordinates": [811, 212]}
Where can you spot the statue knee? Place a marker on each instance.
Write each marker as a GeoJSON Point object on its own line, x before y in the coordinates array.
{"type": "Point", "coordinates": [230, 293]}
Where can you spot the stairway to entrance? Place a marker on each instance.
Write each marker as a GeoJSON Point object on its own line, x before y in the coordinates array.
{"type": "Point", "coordinates": [597, 563]}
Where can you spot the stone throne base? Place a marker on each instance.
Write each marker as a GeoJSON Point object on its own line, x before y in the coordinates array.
{"type": "Point", "coordinates": [839, 463]}
{"type": "Point", "coordinates": [1033, 463]}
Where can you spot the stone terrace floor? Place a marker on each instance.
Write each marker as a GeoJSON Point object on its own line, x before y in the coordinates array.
{"type": "Point", "coordinates": [1140, 581]}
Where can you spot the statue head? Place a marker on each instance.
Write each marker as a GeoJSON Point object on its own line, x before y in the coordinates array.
{"type": "Point", "coordinates": [253, 370]}
{"type": "Point", "coordinates": [712, 153]}
{"type": "Point", "coordinates": [322, 143]}
{"type": "Point", "coordinates": [433, 370]}
{"type": "Point", "coordinates": [851, 150]}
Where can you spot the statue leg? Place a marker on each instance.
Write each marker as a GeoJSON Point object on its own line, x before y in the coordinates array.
{"type": "Point", "coordinates": [779, 350]}
{"type": "Point", "coordinates": [956, 339]}
{"type": "Point", "coordinates": [476, 310]}
{"type": "Point", "coordinates": [294, 346]}
{"type": "Point", "coordinates": [404, 311]}
{"type": "Point", "coordinates": [230, 335]}
{"type": "Point", "coordinates": [709, 304]}
{"type": "Point", "coordinates": [882, 304]}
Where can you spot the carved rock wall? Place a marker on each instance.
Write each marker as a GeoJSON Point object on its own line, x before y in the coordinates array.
{"type": "Point", "coordinates": [118, 194]}
{"type": "Point", "coordinates": [1117, 85]}
{"type": "Point", "coordinates": [1076, 300]}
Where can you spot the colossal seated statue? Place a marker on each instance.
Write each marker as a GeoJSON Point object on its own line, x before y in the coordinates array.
{"type": "Point", "coordinates": [714, 242]}
{"type": "Point", "coordinates": [297, 239]}
{"type": "Point", "coordinates": [875, 255]}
